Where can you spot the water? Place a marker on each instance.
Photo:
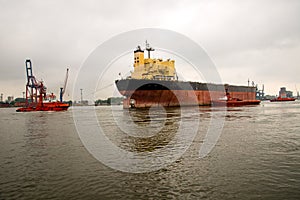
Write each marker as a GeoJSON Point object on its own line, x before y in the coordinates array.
{"type": "Point", "coordinates": [256, 157]}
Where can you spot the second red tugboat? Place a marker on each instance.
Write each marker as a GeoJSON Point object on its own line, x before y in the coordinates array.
{"type": "Point", "coordinates": [232, 102]}
{"type": "Point", "coordinates": [283, 96]}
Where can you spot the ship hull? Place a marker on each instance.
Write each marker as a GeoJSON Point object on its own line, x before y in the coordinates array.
{"type": "Point", "coordinates": [282, 99]}
{"type": "Point", "coordinates": [235, 103]}
{"type": "Point", "coordinates": [51, 106]}
{"type": "Point", "coordinates": [149, 93]}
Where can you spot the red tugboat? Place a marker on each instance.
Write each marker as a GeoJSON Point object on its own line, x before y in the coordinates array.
{"type": "Point", "coordinates": [283, 99]}
{"type": "Point", "coordinates": [283, 96]}
{"type": "Point", "coordinates": [36, 95]}
{"type": "Point", "coordinates": [228, 101]}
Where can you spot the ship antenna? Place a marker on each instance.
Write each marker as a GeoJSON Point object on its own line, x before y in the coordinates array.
{"type": "Point", "coordinates": [148, 48]}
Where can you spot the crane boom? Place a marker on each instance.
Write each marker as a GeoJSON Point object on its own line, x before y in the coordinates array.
{"type": "Point", "coordinates": [63, 89]}
{"type": "Point", "coordinates": [297, 91]}
{"type": "Point", "coordinates": [31, 81]}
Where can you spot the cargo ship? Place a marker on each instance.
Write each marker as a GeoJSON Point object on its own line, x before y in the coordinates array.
{"type": "Point", "coordinates": [154, 82]}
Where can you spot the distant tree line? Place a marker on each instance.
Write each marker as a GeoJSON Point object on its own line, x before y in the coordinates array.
{"type": "Point", "coordinates": [20, 102]}
{"type": "Point", "coordinates": [109, 101]}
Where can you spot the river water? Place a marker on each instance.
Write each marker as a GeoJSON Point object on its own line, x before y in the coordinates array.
{"type": "Point", "coordinates": [257, 155]}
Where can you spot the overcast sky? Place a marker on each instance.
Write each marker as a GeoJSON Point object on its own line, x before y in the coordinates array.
{"type": "Point", "coordinates": [255, 39]}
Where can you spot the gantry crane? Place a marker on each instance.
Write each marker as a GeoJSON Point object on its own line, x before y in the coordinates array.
{"type": "Point", "coordinates": [35, 90]}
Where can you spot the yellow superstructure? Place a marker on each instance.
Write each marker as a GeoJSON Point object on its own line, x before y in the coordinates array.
{"type": "Point", "coordinates": [151, 68]}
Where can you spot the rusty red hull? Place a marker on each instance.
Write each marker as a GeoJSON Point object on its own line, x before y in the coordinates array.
{"type": "Point", "coordinates": [148, 93]}
{"type": "Point", "coordinates": [167, 98]}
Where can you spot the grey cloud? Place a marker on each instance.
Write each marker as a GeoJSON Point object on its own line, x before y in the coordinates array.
{"type": "Point", "coordinates": [57, 34]}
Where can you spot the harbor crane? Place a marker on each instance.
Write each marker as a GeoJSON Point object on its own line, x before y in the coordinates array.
{"type": "Point", "coordinates": [297, 91]}
{"type": "Point", "coordinates": [35, 90]}
{"type": "Point", "coordinates": [63, 89]}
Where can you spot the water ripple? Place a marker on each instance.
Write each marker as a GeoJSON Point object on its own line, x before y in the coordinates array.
{"type": "Point", "coordinates": [256, 157]}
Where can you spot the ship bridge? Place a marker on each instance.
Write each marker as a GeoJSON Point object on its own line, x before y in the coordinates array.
{"type": "Point", "coordinates": [151, 68]}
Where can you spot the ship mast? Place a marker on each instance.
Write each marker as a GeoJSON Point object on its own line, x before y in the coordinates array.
{"type": "Point", "coordinates": [148, 48]}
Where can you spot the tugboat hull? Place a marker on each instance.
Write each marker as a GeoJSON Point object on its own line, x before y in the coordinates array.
{"type": "Point", "coordinates": [53, 106]}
